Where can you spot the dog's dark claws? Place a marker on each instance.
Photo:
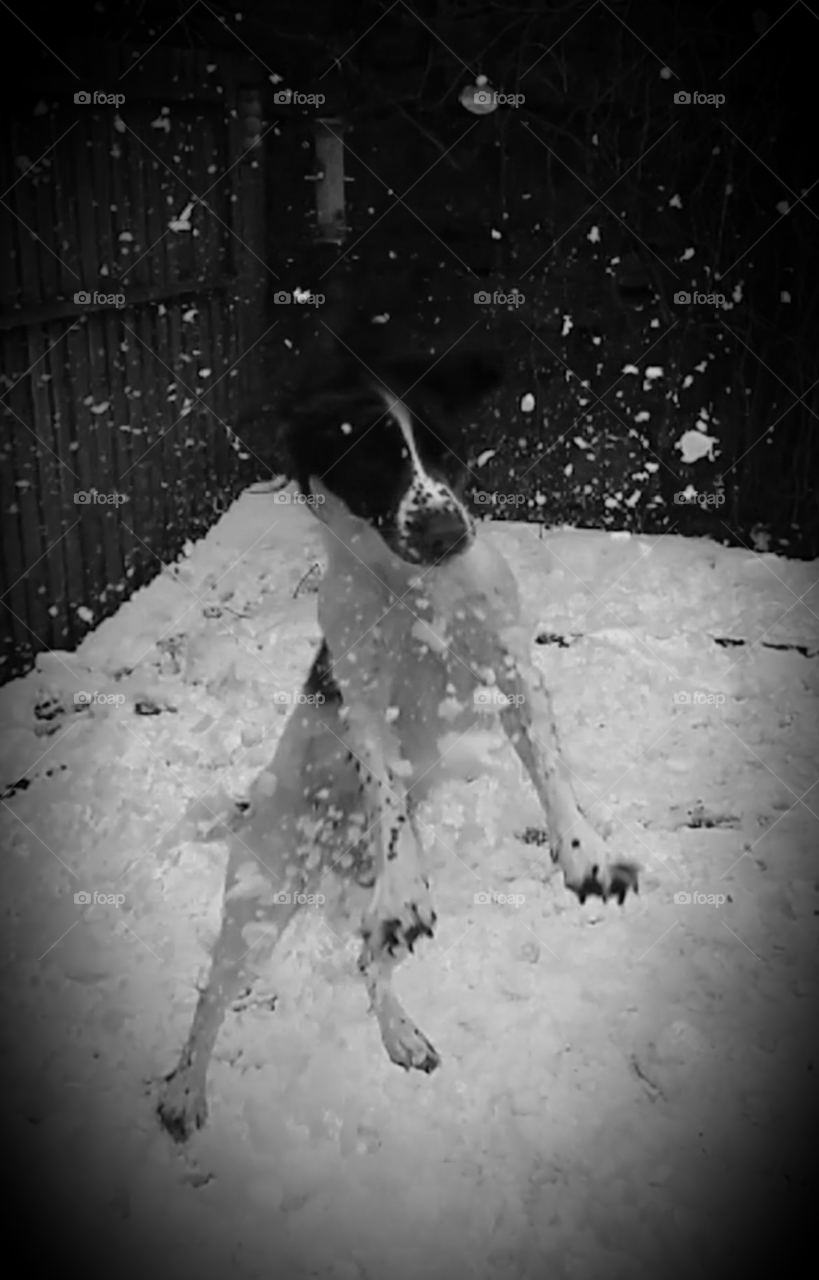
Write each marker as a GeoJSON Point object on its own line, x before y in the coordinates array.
{"type": "Point", "coordinates": [615, 882]}
{"type": "Point", "coordinates": [410, 1049]}
{"type": "Point", "coordinates": [182, 1108]}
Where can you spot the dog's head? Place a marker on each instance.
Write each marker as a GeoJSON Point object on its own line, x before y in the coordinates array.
{"type": "Point", "coordinates": [371, 435]}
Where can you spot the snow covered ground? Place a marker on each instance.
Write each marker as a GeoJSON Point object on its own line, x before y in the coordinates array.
{"type": "Point", "coordinates": [625, 1093]}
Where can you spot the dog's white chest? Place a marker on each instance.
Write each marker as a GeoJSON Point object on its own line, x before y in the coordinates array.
{"type": "Point", "coordinates": [417, 648]}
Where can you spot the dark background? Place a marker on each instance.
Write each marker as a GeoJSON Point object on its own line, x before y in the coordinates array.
{"type": "Point", "coordinates": [443, 204]}
{"type": "Point", "coordinates": [598, 199]}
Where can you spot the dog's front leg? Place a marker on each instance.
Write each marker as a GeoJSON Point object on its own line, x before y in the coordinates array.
{"type": "Point", "coordinates": [401, 908]}
{"type": "Point", "coordinates": [529, 723]}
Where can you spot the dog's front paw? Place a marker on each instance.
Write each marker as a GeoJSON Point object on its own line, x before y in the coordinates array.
{"type": "Point", "coordinates": [397, 935]}
{"type": "Point", "coordinates": [182, 1108]}
{"type": "Point", "coordinates": [401, 911]}
{"type": "Point", "coordinates": [410, 1048]}
{"type": "Point", "coordinates": [588, 868]}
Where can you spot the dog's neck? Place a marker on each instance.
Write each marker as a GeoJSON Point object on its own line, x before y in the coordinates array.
{"type": "Point", "coordinates": [359, 556]}
{"type": "Point", "coordinates": [364, 574]}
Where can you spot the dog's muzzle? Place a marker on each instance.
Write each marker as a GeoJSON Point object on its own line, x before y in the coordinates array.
{"type": "Point", "coordinates": [437, 535]}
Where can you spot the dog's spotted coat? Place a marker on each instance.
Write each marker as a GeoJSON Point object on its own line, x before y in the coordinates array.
{"type": "Point", "coordinates": [417, 613]}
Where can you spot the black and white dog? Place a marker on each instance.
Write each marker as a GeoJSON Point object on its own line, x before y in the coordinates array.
{"type": "Point", "coordinates": [419, 615]}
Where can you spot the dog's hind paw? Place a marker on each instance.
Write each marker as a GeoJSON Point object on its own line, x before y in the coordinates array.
{"type": "Point", "coordinates": [182, 1108]}
{"type": "Point", "coordinates": [406, 1045]}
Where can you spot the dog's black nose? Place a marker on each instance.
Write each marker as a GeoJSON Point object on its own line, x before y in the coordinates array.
{"type": "Point", "coordinates": [441, 534]}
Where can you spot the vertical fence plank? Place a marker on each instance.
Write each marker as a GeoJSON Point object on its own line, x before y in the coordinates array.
{"type": "Point", "coordinates": [109, 218]}
{"type": "Point", "coordinates": [153, 376]}
{"type": "Point", "coordinates": [117, 338]}
{"type": "Point", "coordinates": [100, 422]}
{"type": "Point", "coordinates": [157, 213]}
{"type": "Point", "coordinates": [28, 349]}
{"type": "Point", "coordinates": [67, 447]}
{"type": "Point", "coordinates": [214, 424]}
{"type": "Point", "coordinates": [202, 420]}
{"type": "Point", "coordinates": [67, 204]}
{"type": "Point", "coordinates": [16, 635]}
{"type": "Point", "coordinates": [10, 276]}
{"type": "Point", "coordinates": [26, 502]}
{"type": "Point", "coordinates": [178, 375]}
{"type": "Point", "coordinates": [78, 383]}
{"type": "Point", "coordinates": [50, 487]}
{"type": "Point", "coordinates": [137, 513]}
{"type": "Point", "coordinates": [13, 632]}
{"type": "Point", "coordinates": [129, 180]}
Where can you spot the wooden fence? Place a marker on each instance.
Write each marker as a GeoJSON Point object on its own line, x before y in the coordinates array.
{"type": "Point", "coordinates": [130, 303]}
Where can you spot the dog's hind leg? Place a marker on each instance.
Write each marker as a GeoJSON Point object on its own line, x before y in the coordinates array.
{"type": "Point", "coordinates": [249, 907]}
{"type": "Point", "coordinates": [273, 854]}
{"type": "Point", "coordinates": [401, 907]}
{"type": "Point", "coordinates": [391, 927]}
{"type": "Point", "coordinates": [406, 1045]}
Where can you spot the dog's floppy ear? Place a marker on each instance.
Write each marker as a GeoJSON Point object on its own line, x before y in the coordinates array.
{"type": "Point", "coordinates": [457, 381]}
